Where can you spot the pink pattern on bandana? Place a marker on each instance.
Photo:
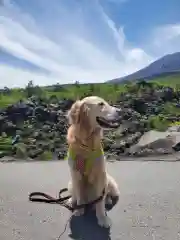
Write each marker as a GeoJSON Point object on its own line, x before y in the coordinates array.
{"type": "Point", "coordinates": [80, 164]}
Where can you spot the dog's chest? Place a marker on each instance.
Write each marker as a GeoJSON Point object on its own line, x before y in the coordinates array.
{"type": "Point", "coordinates": [80, 164]}
{"type": "Point", "coordinates": [83, 163]}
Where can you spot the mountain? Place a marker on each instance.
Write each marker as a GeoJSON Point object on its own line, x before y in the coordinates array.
{"type": "Point", "coordinates": [169, 64]}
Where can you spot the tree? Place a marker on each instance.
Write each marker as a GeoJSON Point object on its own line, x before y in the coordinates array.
{"type": "Point", "coordinates": [6, 91]}
{"type": "Point", "coordinates": [58, 88]}
{"type": "Point", "coordinates": [29, 89]}
{"type": "Point", "coordinates": [116, 86]}
{"type": "Point", "coordinates": [32, 90]}
{"type": "Point", "coordinates": [77, 84]}
{"type": "Point", "coordinates": [92, 88]}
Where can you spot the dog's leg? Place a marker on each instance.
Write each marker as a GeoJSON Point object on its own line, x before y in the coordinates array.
{"type": "Point", "coordinates": [112, 192]}
{"type": "Point", "coordinates": [77, 192]}
{"type": "Point", "coordinates": [113, 189]}
{"type": "Point", "coordinates": [72, 201]}
{"type": "Point", "coordinates": [102, 218]}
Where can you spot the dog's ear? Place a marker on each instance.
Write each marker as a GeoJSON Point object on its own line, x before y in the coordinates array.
{"type": "Point", "coordinates": [73, 113]}
{"type": "Point", "coordinates": [78, 117]}
{"type": "Point", "coordinates": [78, 114]}
{"type": "Point", "coordinates": [83, 117]}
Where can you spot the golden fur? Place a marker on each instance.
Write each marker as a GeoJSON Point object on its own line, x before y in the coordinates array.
{"type": "Point", "coordinates": [85, 131]}
{"type": "Point", "coordinates": [81, 129]}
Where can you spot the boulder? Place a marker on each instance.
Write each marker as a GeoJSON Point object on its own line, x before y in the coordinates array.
{"type": "Point", "coordinates": [157, 142]}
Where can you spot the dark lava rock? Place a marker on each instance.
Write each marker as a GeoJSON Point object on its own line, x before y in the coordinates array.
{"type": "Point", "coordinates": [42, 126]}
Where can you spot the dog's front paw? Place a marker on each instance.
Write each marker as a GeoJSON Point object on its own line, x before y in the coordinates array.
{"type": "Point", "coordinates": [104, 221]}
{"type": "Point", "coordinates": [79, 212]}
{"type": "Point", "coordinates": [70, 202]}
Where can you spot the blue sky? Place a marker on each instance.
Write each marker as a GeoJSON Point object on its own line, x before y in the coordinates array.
{"type": "Point", "coordinates": [85, 40]}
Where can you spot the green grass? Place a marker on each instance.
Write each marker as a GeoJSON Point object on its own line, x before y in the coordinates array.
{"type": "Point", "coordinates": [158, 123]}
{"type": "Point", "coordinates": [171, 81]}
{"type": "Point", "coordinates": [170, 108]}
{"type": "Point", "coordinates": [47, 155]}
{"type": "Point", "coordinates": [107, 91]}
{"type": "Point", "coordinates": [13, 97]}
{"type": "Point", "coordinates": [5, 144]}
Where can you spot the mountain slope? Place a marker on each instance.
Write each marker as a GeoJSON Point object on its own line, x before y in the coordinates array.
{"type": "Point", "coordinates": [166, 65]}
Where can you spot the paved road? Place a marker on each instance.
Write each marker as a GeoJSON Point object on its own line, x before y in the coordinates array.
{"type": "Point", "coordinates": [149, 207]}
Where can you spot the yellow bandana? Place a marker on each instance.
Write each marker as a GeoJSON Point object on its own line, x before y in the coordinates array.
{"type": "Point", "coordinates": [84, 163]}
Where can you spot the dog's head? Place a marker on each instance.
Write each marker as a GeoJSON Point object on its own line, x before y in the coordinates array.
{"type": "Point", "coordinates": [92, 112]}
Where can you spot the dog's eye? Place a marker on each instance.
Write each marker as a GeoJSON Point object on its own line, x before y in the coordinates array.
{"type": "Point", "coordinates": [101, 104]}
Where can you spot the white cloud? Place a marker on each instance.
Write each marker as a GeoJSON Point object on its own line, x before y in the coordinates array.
{"type": "Point", "coordinates": [166, 39]}
{"type": "Point", "coordinates": [76, 42]}
{"type": "Point", "coordinates": [130, 55]}
{"type": "Point", "coordinates": [16, 77]}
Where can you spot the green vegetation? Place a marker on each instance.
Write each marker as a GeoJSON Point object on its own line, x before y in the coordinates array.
{"type": "Point", "coordinates": [46, 155]}
{"type": "Point", "coordinates": [159, 123]}
{"type": "Point", "coordinates": [107, 91]}
{"type": "Point", "coordinates": [171, 81]}
{"type": "Point", "coordinates": [20, 150]}
{"type": "Point", "coordinates": [152, 104]}
{"type": "Point", "coordinates": [65, 92]}
{"type": "Point", "coordinates": [5, 146]}
{"type": "Point", "coordinates": [5, 143]}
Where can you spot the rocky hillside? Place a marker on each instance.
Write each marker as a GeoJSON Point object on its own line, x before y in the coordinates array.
{"type": "Point", "coordinates": [34, 129]}
{"type": "Point", "coordinates": [167, 65]}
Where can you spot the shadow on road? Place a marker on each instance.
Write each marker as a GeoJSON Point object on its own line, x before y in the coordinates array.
{"type": "Point", "coordinates": [86, 228]}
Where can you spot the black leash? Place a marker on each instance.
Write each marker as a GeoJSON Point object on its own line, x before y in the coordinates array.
{"type": "Point", "coordinates": [45, 198]}
{"type": "Point", "coordinates": [62, 200]}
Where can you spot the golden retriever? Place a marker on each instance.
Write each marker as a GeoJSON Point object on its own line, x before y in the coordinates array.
{"type": "Point", "coordinates": [87, 118]}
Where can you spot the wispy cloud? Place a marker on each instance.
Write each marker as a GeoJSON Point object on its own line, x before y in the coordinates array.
{"type": "Point", "coordinates": [77, 41]}
{"type": "Point", "coordinates": [166, 38]}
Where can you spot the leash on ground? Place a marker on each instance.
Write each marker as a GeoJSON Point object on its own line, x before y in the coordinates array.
{"type": "Point", "coordinates": [46, 198]}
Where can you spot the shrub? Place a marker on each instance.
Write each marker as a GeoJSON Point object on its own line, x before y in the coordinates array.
{"type": "Point", "coordinates": [46, 155]}
{"type": "Point", "coordinates": [158, 123]}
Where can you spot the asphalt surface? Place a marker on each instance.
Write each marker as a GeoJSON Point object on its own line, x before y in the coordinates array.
{"type": "Point", "coordinates": [149, 206]}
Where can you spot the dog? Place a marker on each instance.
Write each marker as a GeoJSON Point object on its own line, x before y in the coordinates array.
{"type": "Point", "coordinates": [87, 119]}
